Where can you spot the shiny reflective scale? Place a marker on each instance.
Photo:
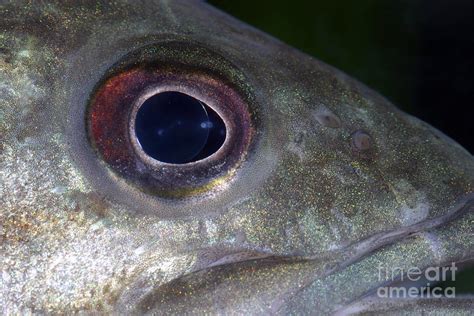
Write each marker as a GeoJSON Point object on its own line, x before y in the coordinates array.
{"type": "Point", "coordinates": [173, 127]}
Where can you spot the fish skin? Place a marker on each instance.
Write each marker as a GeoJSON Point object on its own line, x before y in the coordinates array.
{"type": "Point", "coordinates": [339, 182]}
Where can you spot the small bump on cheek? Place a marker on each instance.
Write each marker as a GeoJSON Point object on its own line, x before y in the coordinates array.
{"type": "Point", "coordinates": [327, 119]}
{"type": "Point", "coordinates": [361, 141]}
{"type": "Point", "coordinates": [363, 145]}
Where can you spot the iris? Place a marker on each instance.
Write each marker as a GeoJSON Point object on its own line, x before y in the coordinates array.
{"type": "Point", "coordinates": [174, 127]}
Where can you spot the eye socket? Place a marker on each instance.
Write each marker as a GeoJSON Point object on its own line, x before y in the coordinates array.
{"type": "Point", "coordinates": [173, 127]}
{"type": "Point", "coordinates": [176, 123]}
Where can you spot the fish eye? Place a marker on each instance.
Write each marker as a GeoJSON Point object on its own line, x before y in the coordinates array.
{"type": "Point", "coordinates": [176, 128]}
{"type": "Point", "coordinates": [173, 120]}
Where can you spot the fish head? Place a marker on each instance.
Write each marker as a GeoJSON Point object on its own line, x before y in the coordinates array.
{"type": "Point", "coordinates": [319, 178]}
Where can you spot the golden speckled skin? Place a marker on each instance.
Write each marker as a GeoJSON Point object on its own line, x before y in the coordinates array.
{"type": "Point", "coordinates": [339, 181]}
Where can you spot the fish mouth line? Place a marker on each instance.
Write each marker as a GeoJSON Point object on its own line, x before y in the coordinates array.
{"type": "Point", "coordinates": [359, 249]}
{"type": "Point", "coordinates": [336, 260]}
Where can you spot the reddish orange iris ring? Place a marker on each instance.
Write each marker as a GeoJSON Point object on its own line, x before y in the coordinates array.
{"type": "Point", "coordinates": [111, 123]}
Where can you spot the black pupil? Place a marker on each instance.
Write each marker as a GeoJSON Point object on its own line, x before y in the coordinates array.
{"type": "Point", "coordinates": [174, 127]}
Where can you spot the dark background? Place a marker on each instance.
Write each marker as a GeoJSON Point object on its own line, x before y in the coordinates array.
{"type": "Point", "coordinates": [417, 53]}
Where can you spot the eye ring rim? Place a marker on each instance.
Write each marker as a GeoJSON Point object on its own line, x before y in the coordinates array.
{"type": "Point", "coordinates": [182, 88]}
{"type": "Point", "coordinates": [111, 107]}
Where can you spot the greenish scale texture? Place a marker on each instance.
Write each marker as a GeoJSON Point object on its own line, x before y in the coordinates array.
{"type": "Point", "coordinates": [374, 41]}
